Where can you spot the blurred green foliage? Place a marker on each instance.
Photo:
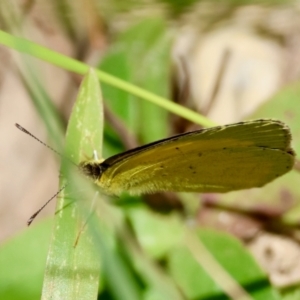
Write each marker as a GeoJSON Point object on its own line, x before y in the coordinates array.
{"type": "Point", "coordinates": [142, 252]}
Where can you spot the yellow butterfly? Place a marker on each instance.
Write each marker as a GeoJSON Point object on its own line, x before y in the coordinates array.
{"type": "Point", "coordinates": [219, 159]}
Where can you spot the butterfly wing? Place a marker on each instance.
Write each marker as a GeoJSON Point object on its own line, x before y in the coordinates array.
{"type": "Point", "coordinates": [218, 159]}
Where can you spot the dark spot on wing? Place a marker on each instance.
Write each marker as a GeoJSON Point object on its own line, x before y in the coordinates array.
{"type": "Point", "coordinates": [161, 166]}
{"type": "Point", "coordinates": [191, 167]}
{"type": "Point", "coordinates": [199, 154]}
{"type": "Point", "coordinates": [194, 172]}
{"type": "Point", "coordinates": [177, 148]}
{"type": "Point", "coordinates": [224, 148]}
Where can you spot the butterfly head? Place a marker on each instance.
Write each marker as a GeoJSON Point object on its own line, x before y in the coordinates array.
{"type": "Point", "coordinates": [92, 169]}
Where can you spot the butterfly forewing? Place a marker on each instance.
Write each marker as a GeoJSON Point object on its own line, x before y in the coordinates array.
{"type": "Point", "coordinates": [218, 159]}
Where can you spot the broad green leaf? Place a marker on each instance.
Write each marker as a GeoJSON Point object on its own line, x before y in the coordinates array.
{"type": "Point", "coordinates": [156, 233]}
{"type": "Point", "coordinates": [82, 240]}
{"type": "Point", "coordinates": [23, 261]}
{"type": "Point", "coordinates": [232, 256]}
{"type": "Point", "coordinates": [73, 266]}
{"type": "Point", "coordinates": [140, 55]}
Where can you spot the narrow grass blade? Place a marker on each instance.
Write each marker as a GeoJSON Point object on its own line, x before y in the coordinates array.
{"type": "Point", "coordinates": [78, 67]}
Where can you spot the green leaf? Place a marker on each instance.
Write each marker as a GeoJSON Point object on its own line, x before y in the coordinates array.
{"type": "Point", "coordinates": [149, 41]}
{"type": "Point", "coordinates": [83, 241]}
{"type": "Point", "coordinates": [73, 266]}
{"type": "Point", "coordinates": [22, 263]}
{"type": "Point", "coordinates": [156, 233]}
{"type": "Point", "coordinates": [231, 255]}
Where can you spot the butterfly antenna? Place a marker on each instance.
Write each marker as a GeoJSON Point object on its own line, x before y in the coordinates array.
{"type": "Point", "coordinates": [40, 209]}
{"type": "Point", "coordinates": [41, 142]}
{"type": "Point", "coordinates": [37, 139]}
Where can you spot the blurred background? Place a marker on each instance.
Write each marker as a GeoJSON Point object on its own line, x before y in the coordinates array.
{"type": "Point", "coordinates": [228, 60]}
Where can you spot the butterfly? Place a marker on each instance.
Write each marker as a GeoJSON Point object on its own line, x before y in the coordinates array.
{"type": "Point", "coordinates": [218, 159]}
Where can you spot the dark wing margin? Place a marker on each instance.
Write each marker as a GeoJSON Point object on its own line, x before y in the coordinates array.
{"type": "Point", "coordinates": [263, 128]}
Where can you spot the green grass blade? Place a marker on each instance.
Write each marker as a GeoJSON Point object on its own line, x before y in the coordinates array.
{"type": "Point", "coordinates": [43, 103]}
{"type": "Point", "coordinates": [73, 65]}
